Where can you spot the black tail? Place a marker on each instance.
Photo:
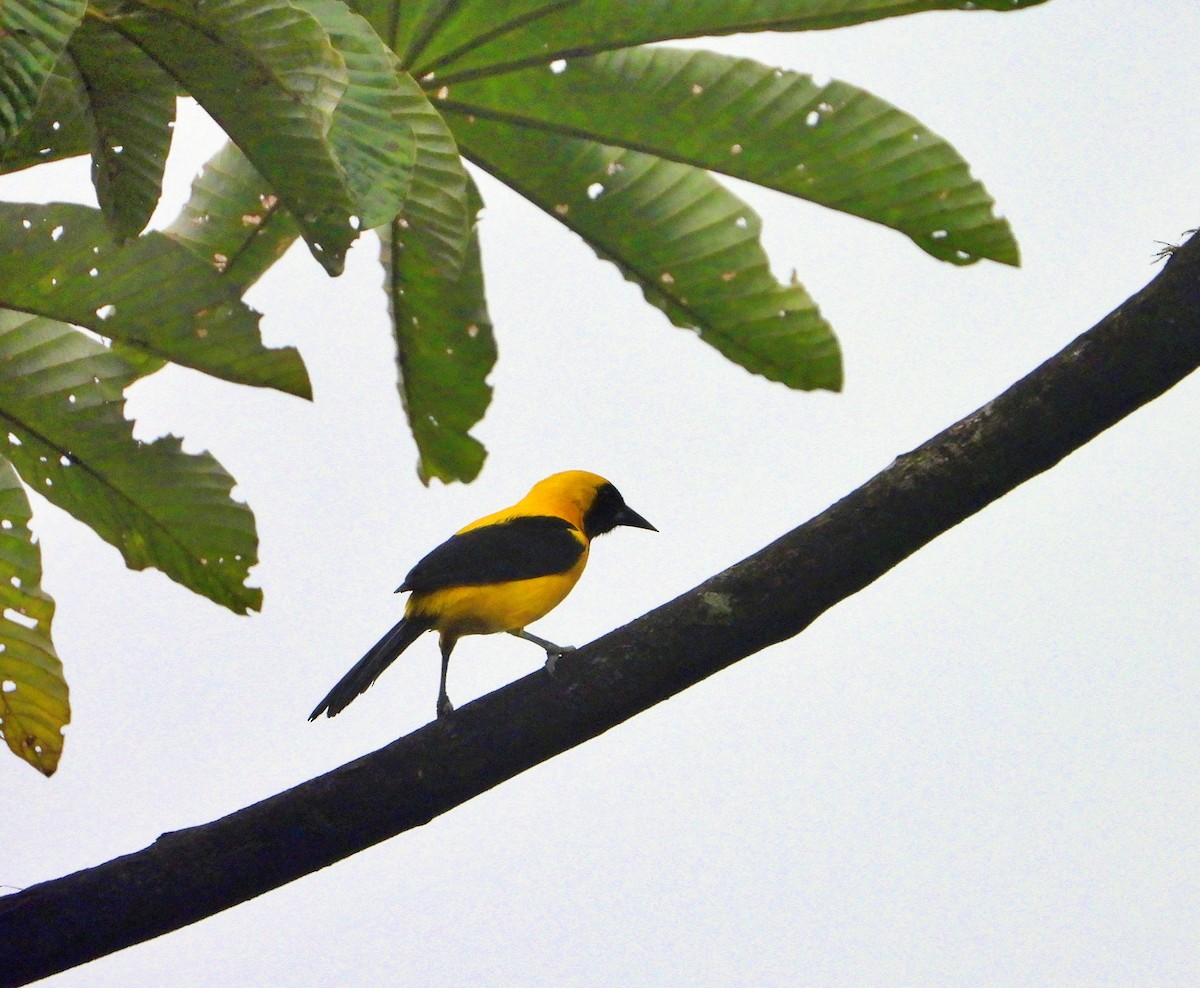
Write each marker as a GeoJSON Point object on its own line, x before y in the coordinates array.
{"type": "Point", "coordinates": [368, 668]}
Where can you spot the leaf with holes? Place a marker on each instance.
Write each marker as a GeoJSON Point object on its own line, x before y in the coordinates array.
{"type": "Point", "coordinates": [237, 224]}
{"type": "Point", "coordinates": [370, 131]}
{"type": "Point", "coordinates": [480, 37]}
{"type": "Point", "coordinates": [690, 243]}
{"type": "Point", "coordinates": [62, 409]}
{"type": "Point", "coordinates": [152, 294]}
{"type": "Point", "coordinates": [34, 705]}
{"type": "Point", "coordinates": [835, 145]}
{"type": "Point", "coordinates": [444, 347]}
{"type": "Point", "coordinates": [132, 105]}
{"type": "Point", "coordinates": [438, 201]}
{"type": "Point", "coordinates": [60, 126]}
{"type": "Point", "coordinates": [33, 34]}
{"type": "Point", "coordinates": [267, 73]}
{"type": "Point", "coordinates": [233, 221]}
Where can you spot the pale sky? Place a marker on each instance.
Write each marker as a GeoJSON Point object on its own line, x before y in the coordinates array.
{"type": "Point", "coordinates": [982, 770]}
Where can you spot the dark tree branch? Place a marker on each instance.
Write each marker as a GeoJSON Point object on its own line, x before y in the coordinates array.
{"type": "Point", "coordinates": [1132, 356]}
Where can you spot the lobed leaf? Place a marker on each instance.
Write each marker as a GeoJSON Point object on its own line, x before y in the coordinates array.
{"type": "Point", "coordinates": [233, 221]}
{"type": "Point", "coordinates": [445, 348]}
{"type": "Point", "coordinates": [62, 408]}
{"type": "Point", "coordinates": [33, 34]}
{"type": "Point", "coordinates": [153, 295]}
{"type": "Point", "coordinates": [370, 132]}
{"type": "Point", "coordinates": [835, 145]}
{"type": "Point", "coordinates": [438, 202]}
{"type": "Point", "coordinates": [483, 37]}
{"type": "Point", "coordinates": [60, 126]}
{"type": "Point", "coordinates": [687, 241]}
{"type": "Point", "coordinates": [267, 73]}
{"type": "Point", "coordinates": [132, 106]}
{"type": "Point", "coordinates": [34, 703]}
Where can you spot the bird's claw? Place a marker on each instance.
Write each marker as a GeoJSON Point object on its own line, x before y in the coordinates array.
{"type": "Point", "coordinates": [552, 657]}
{"type": "Point", "coordinates": [445, 707]}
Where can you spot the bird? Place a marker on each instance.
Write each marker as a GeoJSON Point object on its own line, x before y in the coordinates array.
{"type": "Point", "coordinates": [498, 574]}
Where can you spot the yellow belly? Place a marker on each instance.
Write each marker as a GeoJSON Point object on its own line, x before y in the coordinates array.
{"type": "Point", "coordinates": [486, 610]}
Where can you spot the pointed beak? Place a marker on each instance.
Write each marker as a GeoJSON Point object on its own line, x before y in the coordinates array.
{"type": "Point", "coordinates": [627, 516]}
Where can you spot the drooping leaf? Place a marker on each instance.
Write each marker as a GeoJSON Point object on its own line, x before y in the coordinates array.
{"type": "Point", "coordinates": [690, 243]}
{"type": "Point", "coordinates": [445, 348]}
{"type": "Point", "coordinates": [132, 104]}
{"type": "Point", "coordinates": [34, 705]}
{"type": "Point", "coordinates": [152, 294]}
{"type": "Point", "coordinates": [233, 221]}
{"type": "Point", "coordinates": [370, 131]}
{"type": "Point", "coordinates": [836, 145]}
{"type": "Point", "coordinates": [267, 73]}
{"type": "Point", "coordinates": [60, 126]}
{"type": "Point", "coordinates": [484, 37]}
{"type": "Point", "coordinates": [62, 408]}
{"type": "Point", "coordinates": [33, 34]}
{"type": "Point", "coordinates": [438, 200]}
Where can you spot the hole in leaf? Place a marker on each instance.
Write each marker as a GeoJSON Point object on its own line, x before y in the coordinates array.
{"type": "Point", "coordinates": [16, 617]}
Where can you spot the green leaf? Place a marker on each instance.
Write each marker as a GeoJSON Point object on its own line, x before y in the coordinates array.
{"type": "Point", "coordinates": [34, 705]}
{"type": "Point", "coordinates": [438, 200]}
{"type": "Point", "coordinates": [33, 34]}
{"type": "Point", "coordinates": [62, 407]}
{"type": "Point", "coordinates": [268, 74]}
{"type": "Point", "coordinates": [233, 221]}
{"type": "Point", "coordinates": [690, 243]}
{"type": "Point", "coordinates": [423, 22]}
{"type": "Point", "coordinates": [444, 347]}
{"type": "Point", "coordinates": [836, 145]}
{"type": "Point", "coordinates": [485, 37]}
{"type": "Point", "coordinates": [60, 126]}
{"type": "Point", "coordinates": [152, 294]}
{"type": "Point", "coordinates": [132, 103]}
{"type": "Point", "coordinates": [370, 131]}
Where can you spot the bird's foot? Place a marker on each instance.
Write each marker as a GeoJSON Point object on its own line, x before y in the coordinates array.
{"type": "Point", "coordinates": [553, 655]}
{"type": "Point", "coordinates": [445, 707]}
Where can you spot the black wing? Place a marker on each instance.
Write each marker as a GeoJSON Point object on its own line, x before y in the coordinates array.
{"type": "Point", "coordinates": [517, 549]}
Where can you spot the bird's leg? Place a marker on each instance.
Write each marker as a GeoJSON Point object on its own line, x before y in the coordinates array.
{"type": "Point", "coordinates": [553, 652]}
{"type": "Point", "coordinates": [444, 706]}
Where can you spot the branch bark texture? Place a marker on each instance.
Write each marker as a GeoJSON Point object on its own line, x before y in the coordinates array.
{"type": "Point", "coordinates": [1133, 355]}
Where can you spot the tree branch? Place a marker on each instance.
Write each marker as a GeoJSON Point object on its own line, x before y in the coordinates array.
{"type": "Point", "coordinates": [1137, 352]}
